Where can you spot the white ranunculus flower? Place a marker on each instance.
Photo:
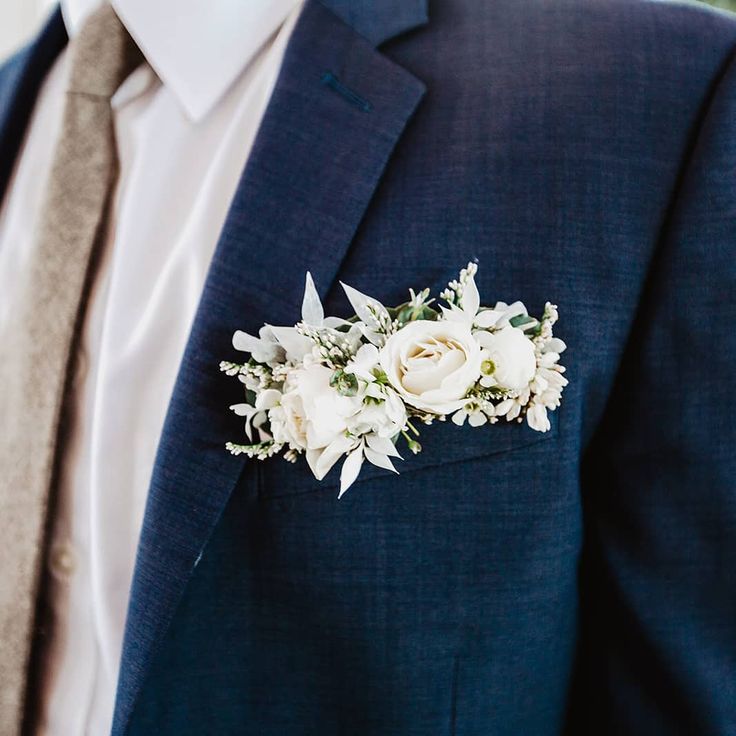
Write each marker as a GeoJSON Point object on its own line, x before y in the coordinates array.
{"type": "Point", "coordinates": [509, 357]}
{"type": "Point", "coordinates": [287, 421]}
{"type": "Point", "coordinates": [311, 413]}
{"type": "Point", "coordinates": [432, 365]}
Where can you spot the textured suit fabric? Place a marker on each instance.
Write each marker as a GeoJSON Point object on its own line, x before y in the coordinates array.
{"type": "Point", "coordinates": [580, 582]}
{"type": "Point", "coordinates": [37, 345]}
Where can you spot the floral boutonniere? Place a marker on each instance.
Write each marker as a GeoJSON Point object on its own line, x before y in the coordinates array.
{"type": "Point", "coordinates": [331, 388]}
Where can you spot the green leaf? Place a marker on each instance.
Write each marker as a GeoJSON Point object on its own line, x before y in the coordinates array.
{"type": "Point", "coordinates": [345, 384]}
{"type": "Point", "coordinates": [406, 313]}
{"type": "Point", "coordinates": [380, 375]}
{"type": "Point", "coordinates": [521, 319]}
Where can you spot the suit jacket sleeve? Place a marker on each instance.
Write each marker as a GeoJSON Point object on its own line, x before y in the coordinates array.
{"type": "Point", "coordinates": [658, 577]}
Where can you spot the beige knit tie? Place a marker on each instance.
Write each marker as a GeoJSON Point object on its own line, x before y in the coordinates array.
{"type": "Point", "coordinates": [38, 348]}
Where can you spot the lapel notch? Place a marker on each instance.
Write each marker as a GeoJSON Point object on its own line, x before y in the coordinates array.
{"type": "Point", "coordinates": [380, 20]}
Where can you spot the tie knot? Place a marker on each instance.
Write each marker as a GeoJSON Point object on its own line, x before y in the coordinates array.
{"type": "Point", "coordinates": [102, 54]}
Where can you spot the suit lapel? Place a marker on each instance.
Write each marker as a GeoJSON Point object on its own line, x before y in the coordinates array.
{"type": "Point", "coordinates": [337, 110]}
{"type": "Point", "coordinates": [20, 80]}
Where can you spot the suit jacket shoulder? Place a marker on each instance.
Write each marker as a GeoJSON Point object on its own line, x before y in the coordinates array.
{"type": "Point", "coordinates": [637, 64]}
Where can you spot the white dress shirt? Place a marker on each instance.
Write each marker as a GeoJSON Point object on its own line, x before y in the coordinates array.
{"type": "Point", "coordinates": [184, 132]}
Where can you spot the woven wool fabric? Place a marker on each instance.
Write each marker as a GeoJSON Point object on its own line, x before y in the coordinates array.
{"type": "Point", "coordinates": [574, 583]}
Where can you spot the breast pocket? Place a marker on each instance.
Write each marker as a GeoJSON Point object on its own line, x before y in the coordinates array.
{"type": "Point", "coordinates": [443, 444]}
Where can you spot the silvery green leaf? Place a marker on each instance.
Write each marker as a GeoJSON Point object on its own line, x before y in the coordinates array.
{"type": "Point", "coordinates": [454, 314]}
{"type": "Point", "coordinates": [296, 345]}
{"type": "Point", "coordinates": [354, 336]}
{"type": "Point", "coordinates": [487, 318]}
{"type": "Point", "coordinates": [251, 382]}
{"type": "Point", "coordinates": [250, 421]}
{"type": "Point", "coordinates": [321, 461]}
{"type": "Point", "coordinates": [382, 445]}
{"type": "Point", "coordinates": [361, 303]}
{"type": "Point", "coordinates": [312, 311]}
{"type": "Point", "coordinates": [373, 337]}
{"type": "Point", "coordinates": [380, 460]}
{"type": "Point", "coordinates": [245, 342]}
{"type": "Point", "coordinates": [259, 423]}
{"type": "Point", "coordinates": [243, 410]}
{"type": "Point", "coordinates": [351, 469]}
{"type": "Point", "coordinates": [471, 297]}
{"type": "Point", "coordinates": [336, 322]}
{"type": "Point", "coordinates": [270, 351]}
{"type": "Point", "coordinates": [514, 310]}
{"type": "Point", "coordinates": [247, 411]}
{"type": "Point", "coordinates": [260, 419]}
{"type": "Point", "coordinates": [313, 457]}
{"type": "Point", "coordinates": [264, 349]}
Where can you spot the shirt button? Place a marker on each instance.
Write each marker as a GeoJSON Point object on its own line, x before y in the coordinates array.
{"type": "Point", "coordinates": [62, 561]}
{"type": "Point", "coordinates": [82, 366]}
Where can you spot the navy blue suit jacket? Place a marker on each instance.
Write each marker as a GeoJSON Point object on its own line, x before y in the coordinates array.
{"type": "Point", "coordinates": [507, 582]}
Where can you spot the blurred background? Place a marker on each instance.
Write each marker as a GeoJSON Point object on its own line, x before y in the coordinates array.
{"type": "Point", "coordinates": [20, 18]}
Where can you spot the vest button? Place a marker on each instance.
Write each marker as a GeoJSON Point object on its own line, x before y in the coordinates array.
{"type": "Point", "coordinates": [62, 561]}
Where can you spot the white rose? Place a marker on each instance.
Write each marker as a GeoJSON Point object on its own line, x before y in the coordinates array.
{"type": "Point", "coordinates": [508, 358]}
{"type": "Point", "coordinates": [313, 414]}
{"type": "Point", "coordinates": [432, 364]}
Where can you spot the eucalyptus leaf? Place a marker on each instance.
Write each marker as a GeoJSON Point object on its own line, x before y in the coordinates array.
{"type": "Point", "coordinates": [378, 459]}
{"type": "Point", "coordinates": [365, 307]}
{"type": "Point", "coordinates": [346, 384]}
{"type": "Point", "coordinates": [521, 319]}
{"type": "Point", "coordinates": [312, 310]}
{"type": "Point", "coordinates": [350, 469]}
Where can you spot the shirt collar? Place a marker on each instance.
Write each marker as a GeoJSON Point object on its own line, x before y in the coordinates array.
{"type": "Point", "coordinates": [198, 49]}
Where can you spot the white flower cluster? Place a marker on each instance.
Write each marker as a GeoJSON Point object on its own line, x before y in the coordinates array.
{"type": "Point", "coordinates": [333, 388]}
